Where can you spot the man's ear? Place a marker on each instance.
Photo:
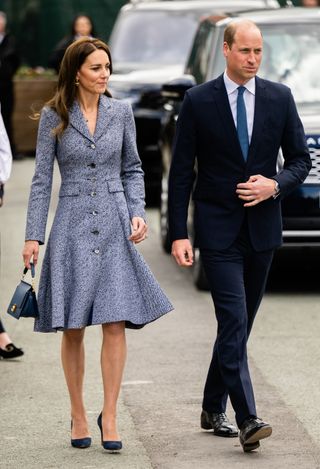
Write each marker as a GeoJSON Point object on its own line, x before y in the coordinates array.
{"type": "Point", "coordinates": [226, 49]}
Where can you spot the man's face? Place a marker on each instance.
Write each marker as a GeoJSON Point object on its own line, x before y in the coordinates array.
{"type": "Point", "coordinates": [244, 57]}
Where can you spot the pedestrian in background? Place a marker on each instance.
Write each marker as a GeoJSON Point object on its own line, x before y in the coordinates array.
{"type": "Point", "coordinates": [7, 348]}
{"type": "Point", "coordinates": [233, 127]}
{"type": "Point", "coordinates": [310, 3]}
{"type": "Point", "coordinates": [9, 63]}
{"type": "Point", "coordinates": [92, 273]}
{"type": "Point", "coordinates": [82, 25]}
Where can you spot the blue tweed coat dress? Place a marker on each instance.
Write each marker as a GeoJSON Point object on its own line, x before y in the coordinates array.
{"type": "Point", "coordinates": [91, 273]}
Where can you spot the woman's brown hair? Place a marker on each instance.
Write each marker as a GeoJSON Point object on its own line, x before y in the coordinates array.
{"type": "Point", "coordinates": [66, 92]}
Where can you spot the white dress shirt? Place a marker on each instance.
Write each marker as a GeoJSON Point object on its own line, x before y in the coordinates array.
{"type": "Point", "coordinates": [248, 96]}
{"type": "Point", "coordinates": [5, 154]}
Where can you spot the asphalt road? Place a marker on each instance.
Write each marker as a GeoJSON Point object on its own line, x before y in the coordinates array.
{"type": "Point", "coordinates": [160, 402]}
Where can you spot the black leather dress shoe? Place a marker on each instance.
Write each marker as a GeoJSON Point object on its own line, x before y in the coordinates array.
{"type": "Point", "coordinates": [252, 430]}
{"type": "Point", "coordinates": [219, 423]}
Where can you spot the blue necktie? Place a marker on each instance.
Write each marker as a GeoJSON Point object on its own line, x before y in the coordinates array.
{"type": "Point", "coordinates": [242, 127]}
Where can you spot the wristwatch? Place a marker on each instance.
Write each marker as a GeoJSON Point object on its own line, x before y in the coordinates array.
{"type": "Point", "coordinates": [277, 189]}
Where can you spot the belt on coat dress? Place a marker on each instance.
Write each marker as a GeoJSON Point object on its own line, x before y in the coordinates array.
{"type": "Point", "coordinates": [90, 187]}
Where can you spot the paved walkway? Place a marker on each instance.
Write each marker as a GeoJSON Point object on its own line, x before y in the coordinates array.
{"type": "Point", "coordinates": [161, 393]}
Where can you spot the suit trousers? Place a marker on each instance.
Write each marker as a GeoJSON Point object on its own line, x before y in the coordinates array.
{"type": "Point", "coordinates": [237, 279]}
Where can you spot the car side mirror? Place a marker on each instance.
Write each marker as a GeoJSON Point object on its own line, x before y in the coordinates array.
{"type": "Point", "coordinates": [176, 88]}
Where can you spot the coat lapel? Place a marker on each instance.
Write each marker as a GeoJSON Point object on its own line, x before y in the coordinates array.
{"type": "Point", "coordinates": [104, 117]}
{"type": "Point", "coordinates": [222, 102]}
{"type": "Point", "coordinates": [77, 121]}
{"type": "Point", "coordinates": [260, 108]}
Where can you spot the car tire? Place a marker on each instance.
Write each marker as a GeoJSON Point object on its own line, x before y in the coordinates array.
{"type": "Point", "coordinates": [199, 276]}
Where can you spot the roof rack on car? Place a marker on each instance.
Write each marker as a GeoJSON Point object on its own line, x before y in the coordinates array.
{"type": "Point", "coordinates": [147, 1]}
{"type": "Point", "coordinates": [142, 1]}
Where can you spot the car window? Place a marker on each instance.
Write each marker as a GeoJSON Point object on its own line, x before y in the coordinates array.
{"type": "Point", "coordinates": [200, 54]}
{"type": "Point", "coordinates": [153, 37]}
{"type": "Point", "coordinates": [291, 55]}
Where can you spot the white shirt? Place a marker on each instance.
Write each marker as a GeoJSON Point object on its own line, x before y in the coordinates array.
{"type": "Point", "coordinates": [5, 154]}
{"type": "Point", "coordinates": [248, 96]}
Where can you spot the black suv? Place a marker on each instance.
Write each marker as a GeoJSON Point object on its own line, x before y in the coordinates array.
{"type": "Point", "coordinates": [291, 56]}
{"type": "Point", "coordinates": [150, 43]}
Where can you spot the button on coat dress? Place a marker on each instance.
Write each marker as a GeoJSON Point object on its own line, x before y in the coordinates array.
{"type": "Point", "coordinates": [91, 273]}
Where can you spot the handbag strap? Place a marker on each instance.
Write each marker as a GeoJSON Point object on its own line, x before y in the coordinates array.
{"type": "Point", "coordinates": [33, 271]}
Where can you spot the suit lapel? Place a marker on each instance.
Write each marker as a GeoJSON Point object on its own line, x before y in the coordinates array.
{"type": "Point", "coordinates": [260, 107]}
{"type": "Point", "coordinates": [221, 99]}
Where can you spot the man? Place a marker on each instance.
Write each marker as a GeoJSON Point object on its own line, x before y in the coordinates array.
{"type": "Point", "coordinates": [9, 63]}
{"type": "Point", "coordinates": [233, 127]}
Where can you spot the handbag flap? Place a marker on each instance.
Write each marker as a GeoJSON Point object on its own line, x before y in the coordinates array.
{"type": "Point", "coordinates": [19, 297]}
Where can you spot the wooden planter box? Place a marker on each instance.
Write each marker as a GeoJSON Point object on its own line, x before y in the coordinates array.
{"type": "Point", "coordinates": [30, 96]}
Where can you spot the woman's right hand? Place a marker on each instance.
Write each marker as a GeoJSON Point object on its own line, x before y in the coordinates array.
{"type": "Point", "coordinates": [30, 250]}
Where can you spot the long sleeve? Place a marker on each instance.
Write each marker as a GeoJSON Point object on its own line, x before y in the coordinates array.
{"type": "Point", "coordinates": [132, 174]}
{"type": "Point", "coordinates": [5, 154]}
{"type": "Point", "coordinates": [181, 176]}
{"type": "Point", "coordinates": [297, 162]}
{"type": "Point", "coordinates": [40, 194]}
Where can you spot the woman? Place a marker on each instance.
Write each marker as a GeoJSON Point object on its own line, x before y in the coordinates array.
{"type": "Point", "coordinates": [7, 348]}
{"type": "Point", "coordinates": [82, 25]}
{"type": "Point", "coordinates": [92, 272]}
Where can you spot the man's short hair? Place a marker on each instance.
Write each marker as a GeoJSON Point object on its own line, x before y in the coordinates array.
{"type": "Point", "coordinates": [231, 29]}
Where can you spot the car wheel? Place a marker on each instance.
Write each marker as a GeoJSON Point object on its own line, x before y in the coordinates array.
{"type": "Point", "coordinates": [199, 276]}
{"type": "Point", "coordinates": [164, 223]}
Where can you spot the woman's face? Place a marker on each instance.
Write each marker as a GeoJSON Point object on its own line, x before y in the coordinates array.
{"type": "Point", "coordinates": [94, 73]}
{"type": "Point", "coordinates": [83, 26]}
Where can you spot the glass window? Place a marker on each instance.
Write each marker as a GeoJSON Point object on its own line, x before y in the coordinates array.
{"type": "Point", "coordinates": [153, 37]}
{"type": "Point", "coordinates": [291, 55]}
{"type": "Point", "coordinates": [200, 54]}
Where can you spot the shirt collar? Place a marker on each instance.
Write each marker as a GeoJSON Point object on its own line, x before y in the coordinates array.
{"type": "Point", "coordinates": [231, 86]}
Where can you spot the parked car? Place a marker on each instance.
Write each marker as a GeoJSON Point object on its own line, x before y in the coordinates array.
{"type": "Point", "coordinates": [291, 56]}
{"type": "Point", "coordinates": [150, 43]}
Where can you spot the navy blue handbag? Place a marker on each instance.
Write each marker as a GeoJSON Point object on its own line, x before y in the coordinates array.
{"type": "Point", "coordinates": [24, 301]}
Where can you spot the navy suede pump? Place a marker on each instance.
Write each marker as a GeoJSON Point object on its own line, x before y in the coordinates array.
{"type": "Point", "coordinates": [112, 446]}
{"type": "Point", "coordinates": [80, 442]}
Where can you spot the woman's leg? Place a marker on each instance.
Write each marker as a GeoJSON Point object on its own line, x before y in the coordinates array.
{"type": "Point", "coordinates": [72, 357]}
{"type": "Point", "coordinates": [113, 357]}
{"type": "Point", "coordinates": [7, 348]}
{"type": "Point", "coordinates": [4, 337]}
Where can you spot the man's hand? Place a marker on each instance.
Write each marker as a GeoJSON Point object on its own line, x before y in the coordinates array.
{"type": "Point", "coordinates": [182, 252]}
{"type": "Point", "coordinates": [256, 189]}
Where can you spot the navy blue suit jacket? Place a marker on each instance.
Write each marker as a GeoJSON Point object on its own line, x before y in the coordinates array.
{"type": "Point", "coordinates": [206, 135]}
